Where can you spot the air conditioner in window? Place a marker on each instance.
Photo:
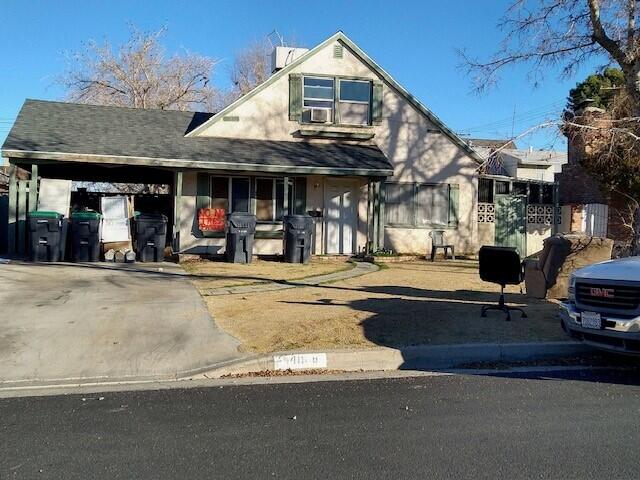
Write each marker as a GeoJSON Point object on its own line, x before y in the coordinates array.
{"type": "Point", "coordinates": [320, 115]}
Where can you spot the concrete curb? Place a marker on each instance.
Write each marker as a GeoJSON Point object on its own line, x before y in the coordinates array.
{"type": "Point", "coordinates": [413, 358]}
{"type": "Point", "coordinates": [367, 362]}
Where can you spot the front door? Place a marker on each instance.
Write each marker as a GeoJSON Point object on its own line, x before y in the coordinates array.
{"type": "Point", "coordinates": [340, 217]}
{"type": "Point", "coordinates": [511, 218]}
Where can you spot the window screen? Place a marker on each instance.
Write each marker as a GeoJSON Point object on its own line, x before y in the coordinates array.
{"type": "Point", "coordinates": [264, 199]}
{"type": "Point", "coordinates": [485, 190]}
{"type": "Point", "coordinates": [399, 203]}
{"type": "Point", "coordinates": [220, 193]}
{"type": "Point", "coordinates": [547, 194]}
{"type": "Point", "coordinates": [240, 195]}
{"type": "Point", "coordinates": [355, 101]}
{"type": "Point", "coordinates": [317, 93]}
{"type": "Point", "coordinates": [534, 193]}
{"type": "Point", "coordinates": [433, 205]}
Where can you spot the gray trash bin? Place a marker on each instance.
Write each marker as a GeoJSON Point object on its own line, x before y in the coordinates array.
{"type": "Point", "coordinates": [241, 227]}
{"type": "Point", "coordinates": [298, 232]}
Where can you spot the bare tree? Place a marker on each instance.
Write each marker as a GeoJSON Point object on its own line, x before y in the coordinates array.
{"type": "Point", "coordinates": [566, 34]}
{"type": "Point", "coordinates": [251, 67]}
{"type": "Point", "coordinates": [139, 74]}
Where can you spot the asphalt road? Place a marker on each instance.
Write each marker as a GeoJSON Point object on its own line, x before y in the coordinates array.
{"type": "Point", "coordinates": [585, 425]}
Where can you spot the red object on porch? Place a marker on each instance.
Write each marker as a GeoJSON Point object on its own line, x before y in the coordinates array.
{"type": "Point", "coordinates": [212, 219]}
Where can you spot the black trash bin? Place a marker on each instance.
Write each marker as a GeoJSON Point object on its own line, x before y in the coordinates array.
{"type": "Point", "coordinates": [45, 236]}
{"type": "Point", "coordinates": [151, 236]}
{"type": "Point", "coordinates": [298, 232]}
{"type": "Point", "coordinates": [241, 228]}
{"type": "Point", "coordinates": [85, 233]}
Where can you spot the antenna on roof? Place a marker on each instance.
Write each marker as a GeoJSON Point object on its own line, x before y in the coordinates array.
{"type": "Point", "coordinates": [275, 39]}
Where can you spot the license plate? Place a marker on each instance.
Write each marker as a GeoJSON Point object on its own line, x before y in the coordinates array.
{"type": "Point", "coordinates": [591, 320]}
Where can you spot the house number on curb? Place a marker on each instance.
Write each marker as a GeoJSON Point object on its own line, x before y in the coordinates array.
{"type": "Point", "coordinates": [300, 361]}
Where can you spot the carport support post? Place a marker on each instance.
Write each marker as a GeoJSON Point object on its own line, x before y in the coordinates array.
{"type": "Point", "coordinates": [13, 205]}
{"type": "Point", "coordinates": [177, 210]}
{"type": "Point", "coordinates": [33, 188]}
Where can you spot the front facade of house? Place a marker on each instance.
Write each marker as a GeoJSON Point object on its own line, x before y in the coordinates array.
{"type": "Point", "coordinates": [330, 134]}
{"type": "Point", "coordinates": [432, 184]}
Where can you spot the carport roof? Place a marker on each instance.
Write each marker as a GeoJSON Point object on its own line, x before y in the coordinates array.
{"type": "Point", "coordinates": [71, 132]}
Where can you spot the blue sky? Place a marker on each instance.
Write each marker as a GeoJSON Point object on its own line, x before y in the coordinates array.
{"type": "Point", "coordinates": [415, 41]}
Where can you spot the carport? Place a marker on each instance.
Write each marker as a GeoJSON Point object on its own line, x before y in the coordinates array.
{"type": "Point", "coordinates": [94, 175]}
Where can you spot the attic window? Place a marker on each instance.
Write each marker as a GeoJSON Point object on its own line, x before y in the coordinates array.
{"type": "Point", "coordinates": [355, 98]}
{"type": "Point", "coordinates": [318, 99]}
{"type": "Point", "coordinates": [337, 51]}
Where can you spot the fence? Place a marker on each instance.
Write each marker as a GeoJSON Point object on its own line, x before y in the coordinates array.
{"type": "Point", "coordinates": [22, 195]}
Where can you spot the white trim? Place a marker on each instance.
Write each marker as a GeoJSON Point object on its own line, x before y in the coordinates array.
{"type": "Point", "coordinates": [176, 163]}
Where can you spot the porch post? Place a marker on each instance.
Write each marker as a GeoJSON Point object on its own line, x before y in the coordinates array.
{"type": "Point", "coordinates": [376, 215]}
{"type": "Point", "coordinates": [177, 210]}
{"type": "Point", "coordinates": [380, 216]}
{"type": "Point", "coordinates": [13, 205]}
{"type": "Point", "coordinates": [370, 220]}
{"type": "Point", "coordinates": [285, 203]}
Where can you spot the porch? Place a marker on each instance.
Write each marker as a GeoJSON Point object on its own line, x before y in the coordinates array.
{"type": "Point", "coordinates": [347, 210]}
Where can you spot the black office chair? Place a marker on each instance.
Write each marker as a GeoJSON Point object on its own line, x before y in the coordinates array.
{"type": "Point", "coordinates": [501, 265]}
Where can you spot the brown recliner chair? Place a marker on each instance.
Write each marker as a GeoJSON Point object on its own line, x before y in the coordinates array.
{"type": "Point", "coordinates": [548, 275]}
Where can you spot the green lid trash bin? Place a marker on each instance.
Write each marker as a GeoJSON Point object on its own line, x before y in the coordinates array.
{"type": "Point", "coordinates": [85, 233]}
{"type": "Point", "coordinates": [45, 236]}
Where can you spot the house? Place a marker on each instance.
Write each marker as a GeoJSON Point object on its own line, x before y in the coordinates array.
{"type": "Point", "coordinates": [330, 133]}
{"type": "Point", "coordinates": [586, 206]}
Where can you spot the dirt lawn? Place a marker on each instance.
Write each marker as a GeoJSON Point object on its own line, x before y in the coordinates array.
{"type": "Point", "coordinates": [209, 274]}
{"type": "Point", "coordinates": [410, 303]}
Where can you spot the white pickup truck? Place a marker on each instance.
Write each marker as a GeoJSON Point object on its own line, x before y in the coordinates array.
{"type": "Point", "coordinates": [603, 305]}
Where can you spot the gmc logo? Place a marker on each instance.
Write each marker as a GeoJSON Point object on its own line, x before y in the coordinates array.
{"type": "Point", "coordinates": [602, 292]}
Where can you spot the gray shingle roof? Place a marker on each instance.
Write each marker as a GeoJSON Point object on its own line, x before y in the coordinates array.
{"type": "Point", "coordinates": [130, 135]}
{"type": "Point", "coordinates": [492, 143]}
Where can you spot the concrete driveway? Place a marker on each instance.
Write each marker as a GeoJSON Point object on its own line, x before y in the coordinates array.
{"type": "Point", "coordinates": [60, 322]}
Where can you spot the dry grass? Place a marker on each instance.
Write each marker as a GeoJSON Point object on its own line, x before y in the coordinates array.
{"type": "Point", "coordinates": [412, 303]}
{"type": "Point", "coordinates": [216, 274]}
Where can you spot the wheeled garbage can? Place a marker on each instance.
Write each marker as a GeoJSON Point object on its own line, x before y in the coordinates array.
{"type": "Point", "coordinates": [298, 232]}
{"type": "Point", "coordinates": [241, 228]}
{"type": "Point", "coordinates": [85, 236]}
{"type": "Point", "coordinates": [151, 236]}
{"type": "Point", "coordinates": [45, 236]}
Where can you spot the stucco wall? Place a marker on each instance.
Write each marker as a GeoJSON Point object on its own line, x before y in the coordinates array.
{"type": "Point", "coordinates": [535, 237]}
{"type": "Point", "coordinates": [486, 233]}
{"type": "Point", "coordinates": [418, 150]}
{"type": "Point", "coordinates": [192, 242]}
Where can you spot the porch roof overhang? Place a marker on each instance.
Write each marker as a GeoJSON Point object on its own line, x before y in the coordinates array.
{"type": "Point", "coordinates": [65, 132]}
